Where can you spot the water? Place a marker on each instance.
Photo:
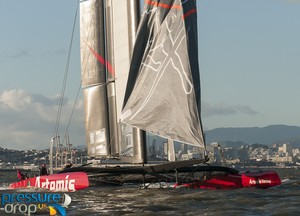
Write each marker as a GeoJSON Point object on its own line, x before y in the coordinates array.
{"type": "Point", "coordinates": [281, 200]}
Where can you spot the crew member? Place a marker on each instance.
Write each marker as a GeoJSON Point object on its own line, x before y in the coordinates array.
{"type": "Point", "coordinates": [21, 176]}
{"type": "Point", "coordinates": [67, 166]}
{"type": "Point", "coordinates": [43, 170]}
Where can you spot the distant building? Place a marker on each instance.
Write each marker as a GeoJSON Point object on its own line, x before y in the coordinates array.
{"type": "Point", "coordinates": [285, 159]}
{"type": "Point", "coordinates": [287, 149]}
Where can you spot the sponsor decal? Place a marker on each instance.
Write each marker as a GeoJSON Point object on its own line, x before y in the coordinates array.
{"type": "Point", "coordinates": [56, 185]}
{"type": "Point", "coordinates": [30, 203]}
{"type": "Point", "coordinates": [259, 181]}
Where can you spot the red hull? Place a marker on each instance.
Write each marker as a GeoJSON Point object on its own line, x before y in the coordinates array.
{"type": "Point", "coordinates": [64, 182]}
{"type": "Point", "coordinates": [259, 179]}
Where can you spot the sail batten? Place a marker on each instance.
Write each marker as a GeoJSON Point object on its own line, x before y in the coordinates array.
{"type": "Point", "coordinates": [163, 89]}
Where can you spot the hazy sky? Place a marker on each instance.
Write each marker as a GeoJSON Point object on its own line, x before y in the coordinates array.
{"type": "Point", "coordinates": [249, 61]}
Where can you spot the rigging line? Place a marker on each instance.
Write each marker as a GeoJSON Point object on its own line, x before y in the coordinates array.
{"type": "Point", "coordinates": [77, 96]}
{"type": "Point", "coordinates": [68, 63]}
{"type": "Point", "coordinates": [71, 115]}
{"type": "Point", "coordinates": [65, 76]}
{"type": "Point", "coordinates": [80, 84]}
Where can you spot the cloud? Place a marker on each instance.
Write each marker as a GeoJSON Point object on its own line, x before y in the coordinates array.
{"type": "Point", "coordinates": [54, 52]}
{"type": "Point", "coordinates": [28, 120]}
{"type": "Point", "coordinates": [17, 54]}
{"type": "Point", "coordinates": [23, 52]}
{"type": "Point", "coordinates": [244, 109]}
{"type": "Point", "coordinates": [209, 110]}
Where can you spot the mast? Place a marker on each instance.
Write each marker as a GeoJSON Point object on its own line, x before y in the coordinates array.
{"type": "Point", "coordinates": [139, 143]}
{"type": "Point", "coordinates": [111, 88]}
{"type": "Point", "coordinates": [126, 13]}
{"type": "Point", "coordinates": [51, 155]}
{"type": "Point", "coordinates": [122, 19]}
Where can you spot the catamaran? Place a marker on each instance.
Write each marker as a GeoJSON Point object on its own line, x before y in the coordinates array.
{"type": "Point", "coordinates": [141, 81]}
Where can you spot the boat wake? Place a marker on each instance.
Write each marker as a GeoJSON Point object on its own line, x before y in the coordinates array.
{"type": "Point", "coordinates": [4, 186]}
{"type": "Point", "coordinates": [290, 182]}
{"type": "Point", "coordinates": [158, 185]}
{"type": "Point", "coordinates": [286, 181]}
{"type": "Point", "coordinates": [31, 189]}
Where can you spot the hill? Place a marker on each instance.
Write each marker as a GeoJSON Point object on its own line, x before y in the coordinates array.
{"type": "Point", "coordinates": [262, 135]}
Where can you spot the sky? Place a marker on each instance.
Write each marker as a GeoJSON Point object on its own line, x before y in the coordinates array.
{"type": "Point", "coordinates": [249, 53]}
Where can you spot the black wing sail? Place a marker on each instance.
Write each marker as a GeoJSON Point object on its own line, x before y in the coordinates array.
{"type": "Point", "coordinates": [163, 89]}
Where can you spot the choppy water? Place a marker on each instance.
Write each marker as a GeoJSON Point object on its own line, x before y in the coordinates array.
{"type": "Point", "coordinates": [281, 200]}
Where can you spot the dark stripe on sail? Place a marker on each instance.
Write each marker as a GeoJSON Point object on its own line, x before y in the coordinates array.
{"type": "Point", "coordinates": [163, 5]}
{"type": "Point", "coordinates": [189, 13]}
